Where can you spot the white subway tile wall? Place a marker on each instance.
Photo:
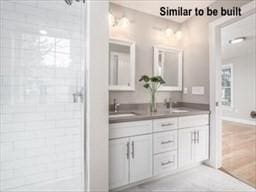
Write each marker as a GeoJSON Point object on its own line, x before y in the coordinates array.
{"type": "Point", "coordinates": [42, 59]}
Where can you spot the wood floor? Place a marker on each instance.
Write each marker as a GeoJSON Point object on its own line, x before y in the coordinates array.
{"type": "Point", "coordinates": [239, 151]}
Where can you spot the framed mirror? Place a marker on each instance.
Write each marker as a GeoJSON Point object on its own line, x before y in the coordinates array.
{"type": "Point", "coordinates": [121, 65]}
{"type": "Point", "coordinates": [168, 63]}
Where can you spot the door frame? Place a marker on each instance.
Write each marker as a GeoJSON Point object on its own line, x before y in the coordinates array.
{"type": "Point", "coordinates": [215, 81]}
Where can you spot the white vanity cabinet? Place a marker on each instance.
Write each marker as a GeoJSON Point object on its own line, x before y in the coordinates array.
{"type": "Point", "coordinates": [130, 156]}
{"type": "Point", "coordinates": [139, 150]}
{"type": "Point", "coordinates": [193, 139]}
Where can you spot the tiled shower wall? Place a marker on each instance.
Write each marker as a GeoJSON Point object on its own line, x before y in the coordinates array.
{"type": "Point", "coordinates": [41, 66]}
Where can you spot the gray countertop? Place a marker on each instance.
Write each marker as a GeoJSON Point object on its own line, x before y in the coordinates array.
{"type": "Point", "coordinates": [146, 115]}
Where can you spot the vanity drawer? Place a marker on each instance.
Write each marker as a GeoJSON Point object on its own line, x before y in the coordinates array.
{"type": "Point", "coordinates": [127, 129]}
{"type": "Point", "coordinates": [165, 141]}
{"type": "Point", "coordinates": [165, 124]}
{"type": "Point", "coordinates": [193, 121]}
{"type": "Point", "coordinates": [165, 162]}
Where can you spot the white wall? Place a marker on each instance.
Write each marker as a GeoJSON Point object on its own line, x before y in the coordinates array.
{"type": "Point", "coordinates": [41, 128]}
{"type": "Point", "coordinates": [244, 87]}
{"type": "Point", "coordinates": [97, 97]}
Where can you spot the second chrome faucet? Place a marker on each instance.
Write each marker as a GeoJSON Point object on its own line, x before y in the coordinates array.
{"type": "Point", "coordinates": [115, 105]}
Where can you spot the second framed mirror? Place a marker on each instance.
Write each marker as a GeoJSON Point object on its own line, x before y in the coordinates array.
{"type": "Point", "coordinates": [168, 63]}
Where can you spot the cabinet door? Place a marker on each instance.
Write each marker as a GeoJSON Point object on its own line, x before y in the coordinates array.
{"type": "Point", "coordinates": [141, 158]}
{"type": "Point", "coordinates": [202, 143]}
{"type": "Point", "coordinates": [118, 162]}
{"type": "Point", "coordinates": [186, 146]}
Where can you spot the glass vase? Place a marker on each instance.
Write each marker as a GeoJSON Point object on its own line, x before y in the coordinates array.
{"type": "Point", "coordinates": [153, 107]}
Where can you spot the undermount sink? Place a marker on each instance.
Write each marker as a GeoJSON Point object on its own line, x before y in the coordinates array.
{"type": "Point", "coordinates": [115, 115]}
{"type": "Point", "coordinates": [179, 111]}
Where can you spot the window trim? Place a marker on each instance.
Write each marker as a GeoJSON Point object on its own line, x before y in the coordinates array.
{"type": "Point", "coordinates": [229, 66]}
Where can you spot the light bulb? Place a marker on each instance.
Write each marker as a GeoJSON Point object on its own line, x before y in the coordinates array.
{"type": "Point", "coordinates": [169, 32]}
{"type": "Point", "coordinates": [178, 35]}
{"type": "Point", "coordinates": [111, 19]}
{"type": "Point", "coordinates": [124, 22]}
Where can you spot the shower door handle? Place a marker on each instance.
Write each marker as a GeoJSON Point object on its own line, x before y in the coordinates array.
{"type": "Point", "coordinates": [253, 114]}
{"type": "Point", "coordinates": [78, 96]}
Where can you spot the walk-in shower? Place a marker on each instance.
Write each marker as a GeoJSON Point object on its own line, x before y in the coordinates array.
{"type": "Point", "coordinates": [42, 66]}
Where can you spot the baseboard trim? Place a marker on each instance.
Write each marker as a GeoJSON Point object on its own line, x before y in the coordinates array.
{"type": "Point", "coordinates": [243, 121]}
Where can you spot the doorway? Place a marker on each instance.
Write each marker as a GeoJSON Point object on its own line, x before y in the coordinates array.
{"type": "Point", "coordinates": [238, 92]}
{"type": "Point", "coordinates": [233, 93]}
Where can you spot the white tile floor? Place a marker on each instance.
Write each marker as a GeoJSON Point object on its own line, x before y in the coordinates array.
{"type": "Point", "coordinates": [199, 179]}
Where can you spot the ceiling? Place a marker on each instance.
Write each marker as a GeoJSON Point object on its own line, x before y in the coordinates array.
{"type": "Point", "coordinates": [243, 28]}
{"type": "Point", "coordinates": [152, 6]}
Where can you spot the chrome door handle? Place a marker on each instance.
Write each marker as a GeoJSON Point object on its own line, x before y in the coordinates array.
{"type": "Point", "coordinates": [78, 96]}
{"type": "Point", "coordinates": [197, 136]}
{"type": "Point", "coordinates": [133, 153]}
{"type": "Point", "coordinates": [253, 114]}
{"type": "Point", "coordinates": [192, 136]}
{"type": "Point", "coordinates": [166, 163]}
{"type": "Point", "coordinates": [166, 124]}
{"type": "Point", "coordinates": [166, 142]}
{"type": "Point", "coordinates": [128, 150]}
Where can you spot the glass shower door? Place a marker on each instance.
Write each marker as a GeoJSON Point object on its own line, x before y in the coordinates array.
{"type": "Point", "coordinates": [42, 61]}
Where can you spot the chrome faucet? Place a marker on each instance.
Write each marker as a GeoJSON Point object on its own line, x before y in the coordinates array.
{"type": "Point", "coordinates": [116, 105]}
{"type": "Point", "coordinates": [168, 104]}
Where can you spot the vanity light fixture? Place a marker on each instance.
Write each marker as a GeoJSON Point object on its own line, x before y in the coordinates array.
{"type": "Point", "coordinates": [178, 35]}
{"type": "Point", "coordinates": [122, 22]}
{"type": "Point", "coordinates": [111, 19]}
{"type": "Point", "coordinates": [237, 40]}
{"type": "Point", "coordinates": [169, 33]}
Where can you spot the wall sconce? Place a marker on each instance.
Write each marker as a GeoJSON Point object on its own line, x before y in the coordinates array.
{"type": "Point", "coordinates": [111, 19]}
{"type": "Point", "coordinates": [170, 33]}
{"type": "Point", "coordinates": [178, 35]}
{"type": "Point", "coordinates": [122, 22]}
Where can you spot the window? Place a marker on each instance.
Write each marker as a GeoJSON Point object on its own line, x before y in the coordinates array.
{"type": "Point", "coordinates": [227, 85]}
